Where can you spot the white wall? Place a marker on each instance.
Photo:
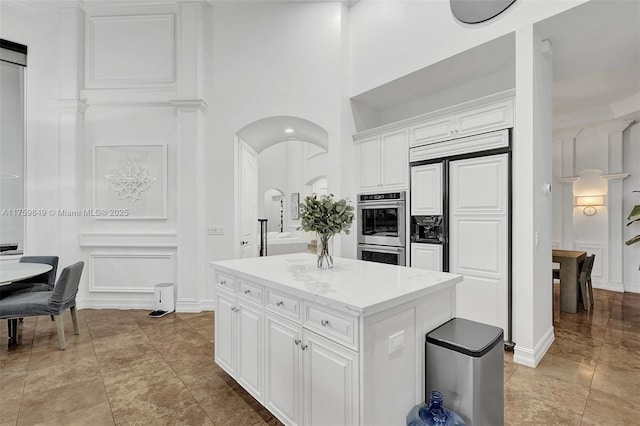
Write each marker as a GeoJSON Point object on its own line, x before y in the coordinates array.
{"type": "Point", "coordinates": [598, 160]}
{"type": "Point", "coordinates": [631, 261]}
{"type": "Point", "coordinates": [270, 60]}
{"type": "Point", "coordinates": [391, 39]}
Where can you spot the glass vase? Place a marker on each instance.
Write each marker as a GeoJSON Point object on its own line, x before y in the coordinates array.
{"type": "Point", "coordinates": [433, 414]}
{"type": "Point", "coordinates": [325, 251]}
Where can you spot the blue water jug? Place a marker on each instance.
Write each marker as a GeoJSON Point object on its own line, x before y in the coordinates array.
{"type": "Point", "coordinates": [433, 414]}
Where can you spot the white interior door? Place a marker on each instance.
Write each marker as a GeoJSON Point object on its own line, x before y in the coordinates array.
{"type": "Point", "coordinates": [478, 240]}
{"type": "Point", "coordinates": [248, 205]}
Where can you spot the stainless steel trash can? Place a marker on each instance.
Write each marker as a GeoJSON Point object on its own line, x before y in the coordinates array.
{"type": "Point", "coordinates": [464, 361]}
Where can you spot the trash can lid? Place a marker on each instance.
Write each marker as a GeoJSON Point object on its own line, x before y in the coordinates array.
{"type": "Point", "coordinates": [468, 337]}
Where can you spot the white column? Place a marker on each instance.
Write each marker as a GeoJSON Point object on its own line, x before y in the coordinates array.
{"type": "Point", "coordinates": [190, 109]}
{"type": "Point", "coordinates": [532, 162]}
{"type": "Point", "coordinates": [615, 179]}
{"type": "Point", "coordinates": [565, 182]}
{"type": "Point", "coordinates": [70, 133]}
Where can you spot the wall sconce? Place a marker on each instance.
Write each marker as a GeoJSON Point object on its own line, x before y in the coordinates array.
{"type": "Point", "coordinates": [589, 203]}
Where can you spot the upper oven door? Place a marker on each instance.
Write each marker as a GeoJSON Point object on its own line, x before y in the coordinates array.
{"type": "Point", "coordinates": [382, 222]}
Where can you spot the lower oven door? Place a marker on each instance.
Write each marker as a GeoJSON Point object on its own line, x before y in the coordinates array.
{"type": "Point", "coordinates": [382, 254]}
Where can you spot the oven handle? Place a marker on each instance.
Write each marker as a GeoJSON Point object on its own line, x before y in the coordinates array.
{"type": "Point", "coordinates": [370, 205]}
{"type": "Point", "coordinates": [381, 249]}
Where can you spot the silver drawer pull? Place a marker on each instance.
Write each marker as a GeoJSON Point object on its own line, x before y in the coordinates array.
{"type": "Point", "coordinates": [303, 347]}
{"type": "Point", "coordinates": [324, 322]}
{"type": "Point", "coordinates": [234, 309]}
{"type": "Point", "coordinates": [223, 282]}
{"type": "Point", "coordinates": [279, 303]}
{"type": "Point", "coordinates": [247, 291]}
{"type": "Point", "coordinates": [297, 341]}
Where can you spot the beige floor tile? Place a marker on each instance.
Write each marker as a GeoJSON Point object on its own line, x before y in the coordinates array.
{"type": "Point", "coordinates": [566, 370]}
{"type": "Point", "coordinates": [203, 382]}
{"type": "Point", "coordinates": [71, 354]}
{"type": "Point", "coordinates": [151, 402]}
{"type": "Point", "coordinates": [229, 408]}
{"type": "Point", "coordinates": [191, 416]}
{"type": "Point", "coordinates": [98, 415]}
{"type": "Point", "coordinates": [616, 381]}
{"type": "Point", "coordinates": [620, 356]}
{"type": "Point", "coordinates": [123, 380]}
{"type": "Point", "coordinates": [555, 392]}
{"type": "Point", "coordinates": [38, 406]}
{"type": "Point", "coordinates": [605, 409]}
{"type": "Point", "coordinates": [48, 378]}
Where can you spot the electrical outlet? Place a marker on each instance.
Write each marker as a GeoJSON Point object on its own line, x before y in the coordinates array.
{"type": "Point", "coordinates": [215, 230]}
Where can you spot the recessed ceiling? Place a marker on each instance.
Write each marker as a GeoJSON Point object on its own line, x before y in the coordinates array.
{"type": "Point", "coordinates": [268, 131]}
{"type": "Point", "coordinates": [473, 64]}
{"type": "Point", "coordinates": [596, 58]}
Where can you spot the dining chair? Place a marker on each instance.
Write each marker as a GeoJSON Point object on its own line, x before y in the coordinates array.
{"type": "Point", "coordinates": [586, 286]}
{"type": "Point", "coordinates": [52, 302]}
{"type": "Point", "coordinates": [40, 282]}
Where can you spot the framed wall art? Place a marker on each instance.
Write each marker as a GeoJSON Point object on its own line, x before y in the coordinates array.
{"type": "Point", "coordinates": [295, 206]}
{"type": "Point", "coordinates": [130, 182]}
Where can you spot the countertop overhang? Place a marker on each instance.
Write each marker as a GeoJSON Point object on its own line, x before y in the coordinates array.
{"type": "Point", "coordinates": [352, 285]}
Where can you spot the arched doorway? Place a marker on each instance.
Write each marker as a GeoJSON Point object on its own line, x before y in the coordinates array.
{"type": "Point", "coordinates": [282, 152]}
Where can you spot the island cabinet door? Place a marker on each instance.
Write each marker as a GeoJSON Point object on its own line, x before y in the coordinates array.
{"type": "Point", "coordinates": [283, 369]}
{"type": "Point", "coordinates": [225, 329]}
{"type": "Point", "coordinates": [331, 388]}
{"type": "Point", "coordinates": [250, 347]}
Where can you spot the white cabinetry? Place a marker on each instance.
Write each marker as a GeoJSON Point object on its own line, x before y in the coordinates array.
{"type": "Point", "coordinates": [301, 365]}
{"type": "Point", "coordinates": [383, 162]}
{"type": "Point", "coordinates": [426, 256]}
{"type": "Point", "coordinates": [239, 326]}
{"type": "Point", "coordinates": [471, 121]}
{"type": "Point", "coordinates": [426, 194]}
{"type": "Point", "coordinates": [323, 360]}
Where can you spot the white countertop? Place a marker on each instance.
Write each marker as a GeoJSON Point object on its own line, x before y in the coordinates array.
{"type": "Point", "coordinates": [365, 287]}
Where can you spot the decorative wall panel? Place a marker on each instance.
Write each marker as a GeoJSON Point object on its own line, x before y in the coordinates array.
{"type": "Point", "coordinates": [131, 272]}
{"type": "Point", "coordinates": [131, 51]}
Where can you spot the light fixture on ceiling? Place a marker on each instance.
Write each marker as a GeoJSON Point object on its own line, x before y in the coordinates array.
{"type": "Point", "coordinates": [288, 130]}
{"type": "Point", "coordinates": [589, 202]}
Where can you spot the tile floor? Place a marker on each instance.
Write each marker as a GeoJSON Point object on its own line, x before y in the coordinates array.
{"type": "Point", "coordinates": [126, 368]}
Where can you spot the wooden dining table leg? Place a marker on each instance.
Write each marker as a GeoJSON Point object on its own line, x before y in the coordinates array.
{"type": "Point", "coordinates": [569, 286]}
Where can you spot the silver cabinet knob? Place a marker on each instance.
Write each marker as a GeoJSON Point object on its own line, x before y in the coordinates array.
{"type": "Point", "coordinates": [297, 341]}
{"type": "Point", "coordinates": [324, 322]}
{"type": "Point", "coordinates": [303, 347]}
{"type": "Point", "coordinates": [247, 291]}
{"type": "Point", "coordinates": [279, 303]}
{"type": "Point", "coordinates": [223, 282]}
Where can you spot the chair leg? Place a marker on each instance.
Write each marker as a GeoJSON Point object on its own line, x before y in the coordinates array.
{"type": "Point", "coordinates": [583, 290]}
{"type": "Point", "coordinates": [74, 319]}
{"type": "Point", "coordinates": [12, 326]}
{"type": "Point", "coordinates": [590, 286]}
{"type": "Point", "coordinates": [60, 328]}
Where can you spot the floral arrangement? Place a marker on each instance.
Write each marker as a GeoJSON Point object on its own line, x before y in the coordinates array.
{"type": "Point", "coordinates": [634, 216]}
{"type": "Point", "coordinates": [326, 217]}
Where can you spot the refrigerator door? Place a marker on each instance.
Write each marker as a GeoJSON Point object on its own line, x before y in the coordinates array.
{"type": "Point", "coordinates": [426, 190]}
{"type": "Point", "coordinates": [478, 237]}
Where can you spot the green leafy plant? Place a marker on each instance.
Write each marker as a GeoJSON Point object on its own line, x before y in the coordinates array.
{"type": "Point", "coordinates": [325, 215]}
{"type": "Point", "coordinates": [634, 216]}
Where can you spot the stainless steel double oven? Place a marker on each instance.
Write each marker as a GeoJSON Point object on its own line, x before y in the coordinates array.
{"type": "Point", "coordinates": [381, 227]}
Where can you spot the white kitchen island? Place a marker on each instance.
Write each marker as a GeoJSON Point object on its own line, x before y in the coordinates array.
{"type": "Point", "coordinates": [343, 346]}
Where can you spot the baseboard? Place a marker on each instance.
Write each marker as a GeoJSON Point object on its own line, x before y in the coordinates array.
{"type": "Point", "coordinates": [181, 306]}
{"type": "Point", "coordinates": [611, 286]}
{"type": "Point", "coordinates": [531, 358]}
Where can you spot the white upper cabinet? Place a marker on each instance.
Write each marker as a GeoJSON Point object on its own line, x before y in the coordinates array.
{"type": "Point", "coordinates": [470, 121]}
{"type": "Point", "coordinates": [426, 193]}
{"type": "Point", "coordinates": [382, 162]}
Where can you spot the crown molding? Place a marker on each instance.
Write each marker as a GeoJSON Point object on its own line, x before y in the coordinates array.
{"type": "Point", "coordinates": [616, 176]}
{"type": "Point", "coordinates": [189, 105]}
{"type": "Point", "coordinates": [627, 107]}
{"type": "Point", "coordinates": [69, 106]}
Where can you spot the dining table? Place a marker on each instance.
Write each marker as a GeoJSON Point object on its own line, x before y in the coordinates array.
{"type": "Point", "coordinates": [10, 272]}
{"type": "Point", "coordinates": [570, 264]}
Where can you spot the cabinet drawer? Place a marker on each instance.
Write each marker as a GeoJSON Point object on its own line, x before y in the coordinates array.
{"type": "Point", "coordinates": [250, 291]}
{"type": "Point", "coordinates": [332, 324]}
{"type": "Point", "coordinates": [283, 304]}
{"type": "Point", "coordinates": [226, 281]}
